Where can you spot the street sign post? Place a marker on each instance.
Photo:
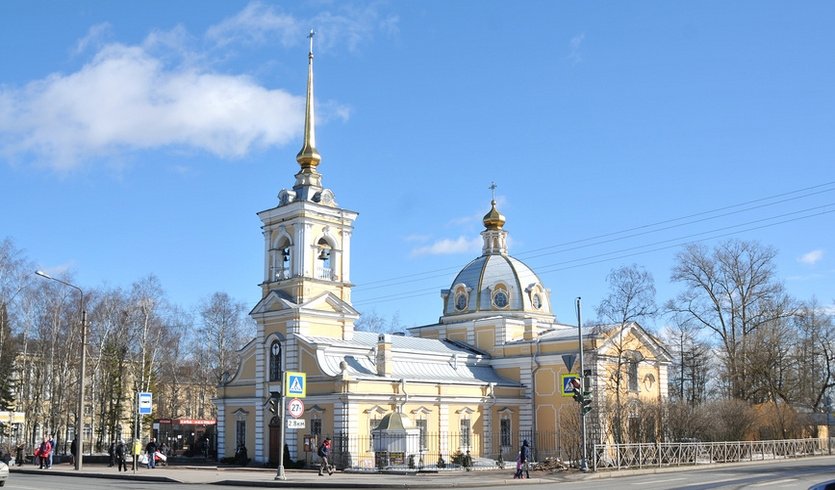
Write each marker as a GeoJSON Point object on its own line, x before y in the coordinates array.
{"type": "Point", "coordinates": [145, 403]}
{"type": "Point", "coordinates": [296, 384]}
{"type": "Point", "coordinates": [295, 408]}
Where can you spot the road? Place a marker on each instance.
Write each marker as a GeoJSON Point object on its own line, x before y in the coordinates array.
{"type": "Point", "coordinates": [792, 474]}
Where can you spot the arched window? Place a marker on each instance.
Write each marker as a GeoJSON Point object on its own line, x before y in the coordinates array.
{"type": "Point", "coordinates": [275, 361]}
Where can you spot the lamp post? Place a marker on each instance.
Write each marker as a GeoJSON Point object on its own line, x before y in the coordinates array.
{"type": "Point", "coordinates": [79, 415]}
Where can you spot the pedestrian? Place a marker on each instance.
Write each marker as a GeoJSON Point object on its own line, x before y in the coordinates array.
{"type": "Point", "coordinates": [111, 451]}
{"type": "Point", "coordinates": [19, 455]}
{"type": "Point", "coordinates": [151, 450]}
{"type": "Point", "coordinates": [51, 451]}
{"type": "Point", "coordinates": [43, 453]}
{"type": "Point", "coordinates": [74, 448]}
{"type": "Point", "coordinates": [119, 452]}
{"type": "Point", "coordinates": [525, 456]}
{"type": "Point", "coordinates": [325, 453]}
{"type": "Point", "coordinates": [518, 473]}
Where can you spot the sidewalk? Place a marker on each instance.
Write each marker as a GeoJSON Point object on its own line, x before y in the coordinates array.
{"type": "Point", "coordinates": [264, 477]}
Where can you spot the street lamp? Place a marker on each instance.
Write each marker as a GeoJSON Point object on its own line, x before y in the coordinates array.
{"type": "Point", "coordinates": [79, 415]}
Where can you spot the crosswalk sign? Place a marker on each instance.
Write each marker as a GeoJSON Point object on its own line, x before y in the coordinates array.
{"type": "Point", "coordinates": [296, 384]}
{"type": "Point", "coordinates": [567, 389]}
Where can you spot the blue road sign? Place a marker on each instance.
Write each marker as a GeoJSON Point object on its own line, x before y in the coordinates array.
{"type": "Point", "coordinates": [145, 403]}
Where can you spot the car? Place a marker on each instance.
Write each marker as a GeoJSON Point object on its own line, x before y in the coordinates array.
{"type": "Point", "coordinates": [4, 473]}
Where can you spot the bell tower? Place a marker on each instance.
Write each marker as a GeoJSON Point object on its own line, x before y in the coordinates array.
{"type": "Point", "coordinates": [307, 245]}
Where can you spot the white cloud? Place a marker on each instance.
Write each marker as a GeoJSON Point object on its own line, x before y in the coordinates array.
{"type": "Point", "coordinates": [448, 246]}
{"type": "Point", "coordinates": [126, 98]}
{"type": "Point", "coordinates": [811, 258]}
{"type": "Point", "coordinates": [348, 26]}
{"type": "Point", "coordinates": [94, 37]}
{"type": "Point", "coordinates": [256, 24]}
{"type": "Point", "coordinates": [163, 94]}
{"type": "Point", "coordinates": [574, 46]}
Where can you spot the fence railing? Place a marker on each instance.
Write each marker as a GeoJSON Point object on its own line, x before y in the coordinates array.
{"type": "Point", "coordinates": [622, 456]}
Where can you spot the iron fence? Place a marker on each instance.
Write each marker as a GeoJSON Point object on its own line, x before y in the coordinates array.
{"type": "Point", "coordinates": [622, 456]}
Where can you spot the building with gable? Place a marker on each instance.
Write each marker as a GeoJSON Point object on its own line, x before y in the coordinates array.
{"type": "Point", "coordinates": [487, 375]}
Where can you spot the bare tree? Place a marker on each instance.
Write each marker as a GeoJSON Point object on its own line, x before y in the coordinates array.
{"type": "Point", "coordinates": [731, 291]}
{"type": "Point", "coordinates": [223, 330]}
{"type": "Point", "coordinates": [690, 376]}
{"type": "Point", "coordinates": [631, 299]}
{"type": "Point", "coordinates": [814, 350]}
{"type": "Point", "coordinates": [371, 321]}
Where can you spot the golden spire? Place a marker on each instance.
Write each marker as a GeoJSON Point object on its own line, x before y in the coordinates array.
{"type": "Point", "coordinates": [494, 219]}
{"type": "Point", "coordinates": [308, 156]}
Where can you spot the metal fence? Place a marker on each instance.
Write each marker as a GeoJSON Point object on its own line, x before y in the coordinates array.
{"type": "Point", "coordinates": [623, 456]}
{"type": "Point", "coordinates": [447, 449]}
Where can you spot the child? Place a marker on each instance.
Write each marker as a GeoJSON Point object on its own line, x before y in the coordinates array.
{"type": "Point", "coordinates": [518, 473]}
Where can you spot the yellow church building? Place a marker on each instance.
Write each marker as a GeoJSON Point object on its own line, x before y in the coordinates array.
{"type": "Point", "coordinates": [489, 374]}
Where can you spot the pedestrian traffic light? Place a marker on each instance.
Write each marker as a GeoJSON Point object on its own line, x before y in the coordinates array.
{"type": "Point", "coordinates": [586, 402]}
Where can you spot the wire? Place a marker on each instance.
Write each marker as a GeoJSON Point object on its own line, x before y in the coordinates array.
{"type": "Point", "coordinates": [619, 254]}
{"type": "Point", "coordinates": [596, 240]}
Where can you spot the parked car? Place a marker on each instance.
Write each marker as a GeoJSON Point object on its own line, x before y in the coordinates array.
{"type": "Point", "coordinates": [4, 473]}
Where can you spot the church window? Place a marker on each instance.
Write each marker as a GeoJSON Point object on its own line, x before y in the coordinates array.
{"type": "Point", "coordinates": [460, 301]}
{"type": "Point", "coordinates": [316, 426]}
{"type": "Point", "coordinates": [505, 432]}
{"type": "Point", "coordinates": [633, 375]}
{"type": "Point", "coordinates": [500, 298]}
{"type": "Point", "coordinates": [240, 433]}
{"type": "Point", "coordinates": [464, 425]}
{"type": "Point", "coordinates": [372, 424]}
{"type": "Point", "coordinates": [421, 424]}
{"type": "Point", "coordinates": [275, 361]}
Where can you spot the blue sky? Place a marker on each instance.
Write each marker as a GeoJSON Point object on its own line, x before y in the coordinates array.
{"type": "Point", "coordinates": [142, 137]}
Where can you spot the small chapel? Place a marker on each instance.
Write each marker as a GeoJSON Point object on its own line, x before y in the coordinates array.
{"type": "Point", "coordinates": [489, 374]}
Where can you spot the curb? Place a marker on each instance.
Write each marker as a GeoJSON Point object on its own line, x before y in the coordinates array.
{"type": "Point", "coordinates": [103, 476]}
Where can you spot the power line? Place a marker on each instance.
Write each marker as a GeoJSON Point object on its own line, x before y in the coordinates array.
{"type": "Point", "coordinates": [618, 254]}
{"type": "Point", "coordinates": [597, 239]}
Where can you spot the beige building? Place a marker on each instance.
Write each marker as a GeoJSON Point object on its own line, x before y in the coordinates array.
{"type": "Point", "coordinates": [490, 373]}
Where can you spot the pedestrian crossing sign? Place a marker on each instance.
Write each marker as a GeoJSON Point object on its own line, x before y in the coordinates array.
{"type": "Point", "coordinates": [296, 384]}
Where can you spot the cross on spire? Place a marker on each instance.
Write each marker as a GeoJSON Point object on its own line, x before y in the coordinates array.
{"type": "Point", "coordinates": [310, 36]}
{"type": "Point", "coordinates": [493, 190]}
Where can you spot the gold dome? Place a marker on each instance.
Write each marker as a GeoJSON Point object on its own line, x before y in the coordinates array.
{"type": "Point", "coordinates": [494, 220]}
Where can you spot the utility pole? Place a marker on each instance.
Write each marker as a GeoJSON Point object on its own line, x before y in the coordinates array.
{"type": "Point", "coordinates": [584, 465]}
{"type": "Point", "coordinates": [79, 414]}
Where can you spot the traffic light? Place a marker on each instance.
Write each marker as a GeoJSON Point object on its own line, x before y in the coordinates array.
{"type": "Point", "coordinates": [273, 402]}
{"type": "Point", "coordinates": [577, 393]}
{"type": "Point", "coordinates": [586, 402]}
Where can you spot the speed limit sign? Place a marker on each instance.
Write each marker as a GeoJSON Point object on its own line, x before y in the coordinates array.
{"type": "Point", "coordinates": [295, 408]}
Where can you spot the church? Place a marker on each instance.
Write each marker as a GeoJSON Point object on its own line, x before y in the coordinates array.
{"type": "Point", "coordinates": [489, 374]}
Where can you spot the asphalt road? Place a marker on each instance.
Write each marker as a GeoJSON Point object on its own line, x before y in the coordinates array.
{"type": "Point", "coordinates": [791, 474]}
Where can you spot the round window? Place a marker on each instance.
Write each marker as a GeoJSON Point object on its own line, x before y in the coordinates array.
{"type": "Point", "coordinates": [461, 301]}
{"type": "Point", "coordinates": [500, 299]}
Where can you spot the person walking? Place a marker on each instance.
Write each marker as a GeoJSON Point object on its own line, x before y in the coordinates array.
{"type": "Point", "coordinates": [119, 452]}
{"type": "Point", "coordinates": [74, 449]}
{"type": "Point", "coordinates": [111, 451]}
{"type": "Point", "coordinates": [524, 458]}
{"type": "Point", "coordinates": [150, 450]}
{"type": "Point", "coordinates": [51, 451]}
{"type": "Point", "coordinates": [325, 453]}
{"type": "Point", "coordinates": [44, 451]}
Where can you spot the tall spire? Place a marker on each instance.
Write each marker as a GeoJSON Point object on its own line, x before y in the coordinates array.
{"type": "Point", "coordinates": [308, 156]}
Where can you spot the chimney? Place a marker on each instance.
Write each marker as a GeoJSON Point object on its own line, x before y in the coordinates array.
{"type": "Point", "coordinates": [385, 363]}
